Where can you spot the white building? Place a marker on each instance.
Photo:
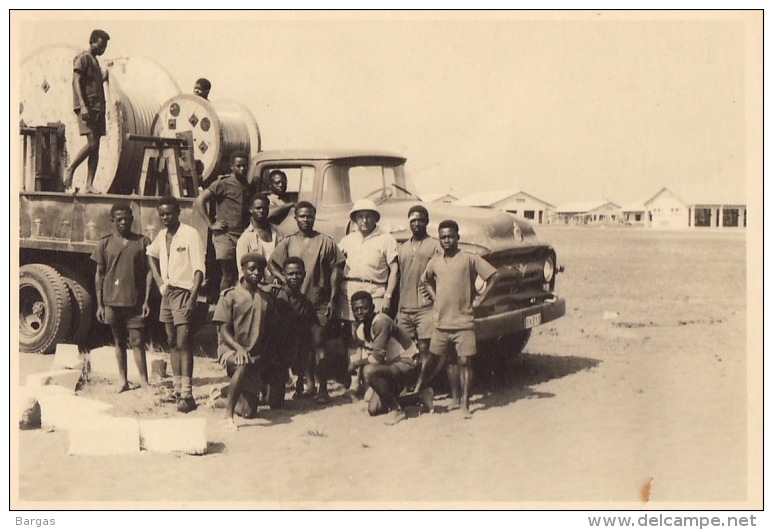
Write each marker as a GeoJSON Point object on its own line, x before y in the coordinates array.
{"type": "Point", "coordinates": [438, 197]}
{"type": "Point", "coordinates": [519, 203]}
{"type": "Point", "coordinates": [589, 212]}
{"type": "Point", "coordinates": [635, 214]}
{"type": "Point", "coordinates": [698, 208]}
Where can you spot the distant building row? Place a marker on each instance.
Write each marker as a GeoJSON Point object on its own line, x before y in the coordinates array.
{"type": "Point", "coordinates": [665, 209]}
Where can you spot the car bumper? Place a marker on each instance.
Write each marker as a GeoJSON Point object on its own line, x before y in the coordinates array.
{"type": "Point", "coordinates": [494, 326]}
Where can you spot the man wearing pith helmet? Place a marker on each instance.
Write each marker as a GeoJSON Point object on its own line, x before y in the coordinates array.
{"type": "Point", "coordinates": [371, 261]}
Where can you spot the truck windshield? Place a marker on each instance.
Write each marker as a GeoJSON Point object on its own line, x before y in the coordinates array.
{"type": "Point", "coordinates": [344, 184]}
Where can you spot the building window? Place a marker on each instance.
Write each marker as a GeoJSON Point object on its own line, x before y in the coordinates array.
{"type": "Point", "coordinates": [703, 217]}
{"type": "Point", "coordinates": [730, 217]}
{"type": "Point", "coordinates": [528, 214]}
{"type": "Point", "coordinates": [637, 217]}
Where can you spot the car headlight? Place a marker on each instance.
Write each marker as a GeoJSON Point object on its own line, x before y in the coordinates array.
{"type": "Point", "coordinates": [548, 269]}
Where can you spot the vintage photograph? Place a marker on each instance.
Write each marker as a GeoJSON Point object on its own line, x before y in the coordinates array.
{"type": "Point", "coordinates": [386, 260]}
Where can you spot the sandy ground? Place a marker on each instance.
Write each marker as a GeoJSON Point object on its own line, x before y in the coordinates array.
{"type": "Point", "coordinates": [594, 410]}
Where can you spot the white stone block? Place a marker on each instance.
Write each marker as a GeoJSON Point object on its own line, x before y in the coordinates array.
{"type": "Point", "coordinates": [66, 378]}
{"type": "Point", "coordinates": [184, 435]}
{"type": "Point", "coordinates": [102, 361]}
{"type": "Point", "coordinates": [67, 356]}
{"type": "Point", "coordinates": [103, 435]}
{"type": "Point", "coordinates": [66, 412]}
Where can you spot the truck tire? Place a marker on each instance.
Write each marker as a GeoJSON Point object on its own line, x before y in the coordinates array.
{"type": "Point", "coordinates": [44, 308]}
{"type": "Point", "coordinates": [83, 312]}
{"type": "Point", "coordinates": [494, 356]}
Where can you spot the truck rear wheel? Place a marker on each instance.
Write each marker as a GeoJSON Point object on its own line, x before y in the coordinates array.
{"type": "Point", "coordinates": [82, 303]}
{"type": "Point", "coordinates": [44, 308]}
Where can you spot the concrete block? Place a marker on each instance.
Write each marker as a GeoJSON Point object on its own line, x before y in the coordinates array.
{"type": "Point", "coordinates": [66, 378]}
{"type": "Point", "coordinates": [103, 435]}
{"type": "Point", "coordinates": [184, 435]}
{"type": "Point", "coordinates": [27, 397]}
{"type": "Point", "coordinates": [102, 361]}
{"type": "Point", "coordinates": [66, 412]}
{"type": "Point", "coordinates": [67, 356]}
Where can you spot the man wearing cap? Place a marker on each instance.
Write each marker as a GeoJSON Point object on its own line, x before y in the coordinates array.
{"type": "Point", "coordinates": [371, 262]}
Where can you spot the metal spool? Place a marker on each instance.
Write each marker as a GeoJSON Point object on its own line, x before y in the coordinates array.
{"type": "Point", "coordinates": [219, 128]}
{"type": "Point", "coordinates": [136, 89]}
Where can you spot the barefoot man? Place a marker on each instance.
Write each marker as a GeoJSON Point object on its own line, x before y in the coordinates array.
{"type": "Point", "coordinates": [89, 105]}
{"type": "Point", "coordinates": [122, 286]}
{"type": "Point", "coordinates": [388, 363]}
{"type": "Point", "coordinates": [450, 282]}
{"type": "Point", "coordinates": [242, 318]}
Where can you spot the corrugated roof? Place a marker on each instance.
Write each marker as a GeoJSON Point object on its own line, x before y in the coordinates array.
{"type": "Point", "coordinates": [708, 195]}
{"type": "Point", "coordinates": [583, 206]}
{"type": "Point", "coordinates": [432, 197]}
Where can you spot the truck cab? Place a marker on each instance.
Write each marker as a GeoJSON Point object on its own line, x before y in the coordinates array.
{"type": "Point", "coordinates": [523, 294]}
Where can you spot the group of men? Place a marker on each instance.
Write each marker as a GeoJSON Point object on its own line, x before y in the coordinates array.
{"type": "Point", "coordinates": [302, 301]}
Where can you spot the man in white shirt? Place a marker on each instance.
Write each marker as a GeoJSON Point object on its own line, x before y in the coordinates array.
{"type": "Point", "coordinates": [176, 258]}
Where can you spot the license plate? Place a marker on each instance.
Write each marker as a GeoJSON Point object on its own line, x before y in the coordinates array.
{"type": "Point", "coordinates": [532, 320]}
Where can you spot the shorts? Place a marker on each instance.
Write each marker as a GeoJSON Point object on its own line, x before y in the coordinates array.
{"type": "Point", "coordinates": [173, 304]}
{"type": "Point", "coordinates": [95, 125]}
{"type": "Point", "coordinates": [418, 323]}
{"type": "Point", "coordinates": [455, 342]}
{"type": "Point", "coordinates": [251, 382]}
{"type": "Point", "coordinates": [128, 317]}
{"type": "Point", "coordinates": [348, 288]}
{"type": "Point", "coordinates": [225, 245]}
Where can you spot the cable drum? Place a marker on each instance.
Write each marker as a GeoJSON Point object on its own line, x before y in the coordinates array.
{"type": "Point", "coordinates": [218, 128]}
{"type": "Point", "coordinates": [135, 90]}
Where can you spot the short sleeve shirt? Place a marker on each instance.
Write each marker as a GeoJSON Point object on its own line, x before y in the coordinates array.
{"type": "Point", "coordinates": [387, 342]}
{"type": "Point", "coordinates": [91, 82]}
{"type": "Point", "coordinates": [369, 257]}
{"type": "Point", "coordinates": [413, 257]}
{"type": "Point", "coordinates": [320, 255]}
{"type": "Point", "coordinates": [185, 256]}
{"type": "Point", "coordinates": [250, 241]}
{"type": "Point", "coordinates": [125, 268]}
{"type": "Point", "coordinates": [454, 281]}
{"type": "Point", "coordinates": [248, 314]}
{"type": "Point", "coordinates": [231, 197]}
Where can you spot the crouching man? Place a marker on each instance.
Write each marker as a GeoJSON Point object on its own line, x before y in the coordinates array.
{"type": "Point", "coordinates": [242, 317]}
{"type": "Point", "coordinates": [389, 361]}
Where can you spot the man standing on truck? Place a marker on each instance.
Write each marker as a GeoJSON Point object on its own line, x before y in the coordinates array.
{"type": "Point", "coordinates": [450, 282]}
{"type": "Point", "coordinates": [202, 87]}
{"type": "Point", "coordinates": [324, 262]}
{"type": "Point", "coordinates": [231, 194]}
{"type": "Point", "coordinates": [415, 313]}
{"type": "Point", "coordinates": [122, 286]}
{"type": "Point", "coordinates": [371, 265]}
{"type": "Point", "coordinates": [177, 261]}
{"type": "Point", "coordinates": [278, 201]}
{"type": "Point", "coordinates": [89, 105]}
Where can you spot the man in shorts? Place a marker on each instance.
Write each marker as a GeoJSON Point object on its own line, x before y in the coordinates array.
{"type": "Point", "coordinates": [415, 310]}
{"type": "Point", "coordinates": [231, 194]}
{"type": "Point", "coordinates": [122, 287]}
{"type": "Point", "coordinates": [176, 258]}
{"type": "Point", "coordinates": [323, 262]}
{"type": "Point", "coordinates": [371, 265]}
{"type": "Point", "coordinates": [90, 106]}
{"type": "Point", "coordinates": [388, 362]}
{"type": "Point", "coordinates": [242, 317]}
{"type": "Point", "coordinates": [450, 282]}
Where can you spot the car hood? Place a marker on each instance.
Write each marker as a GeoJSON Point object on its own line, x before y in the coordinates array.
{"type": "Point", "coordinates": [481, 230]}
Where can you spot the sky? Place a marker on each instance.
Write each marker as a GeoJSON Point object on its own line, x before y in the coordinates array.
{"type": "Point", "coordinates": [565, 106]}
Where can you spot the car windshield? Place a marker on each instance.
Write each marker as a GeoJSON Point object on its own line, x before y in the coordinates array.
{"type": "Point", "coordinates": [344, 184]}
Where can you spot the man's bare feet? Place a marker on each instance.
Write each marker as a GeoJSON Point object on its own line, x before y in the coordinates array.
{"type": "Point", "coordinates": [394, 416]}
{"type": "Point", "coordinates": [427, 397]}
{"type": "Point", "coordinates": [466, 414]}
{"type": "Point", "coordinates": [91, 189]}
{"type": "Point", "coordinates": [455, 404]}
{"type": "Point", "coordinates": [128, 385]}
{"type": "Point", "coordinates": [230, 425]}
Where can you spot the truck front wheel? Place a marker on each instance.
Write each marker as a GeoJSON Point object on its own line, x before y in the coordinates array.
{"type": "Point", "coordinates": [44, 308]}
{"type": "Point", "coordinates": [493, 357]}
